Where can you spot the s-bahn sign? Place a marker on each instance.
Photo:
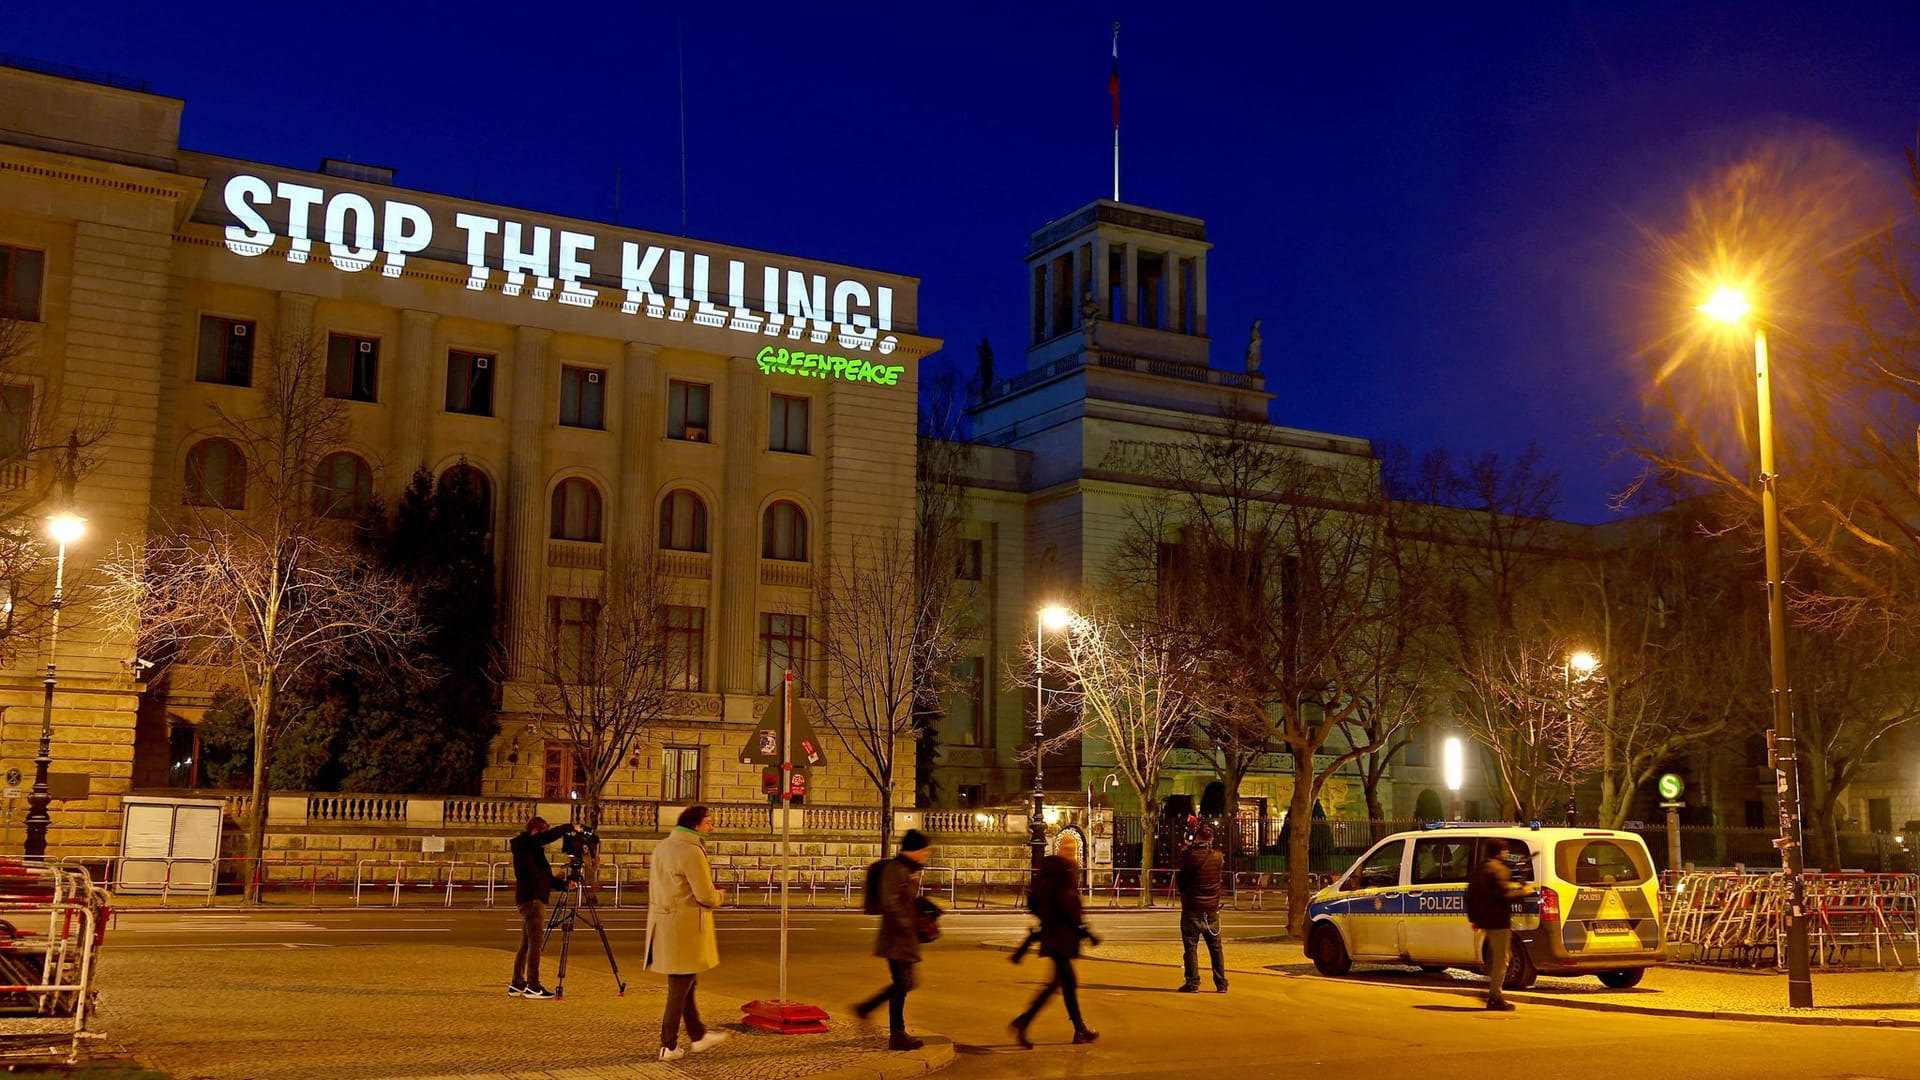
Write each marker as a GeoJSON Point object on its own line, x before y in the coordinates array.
{"type": "Point", "coordinates": [561, 265]}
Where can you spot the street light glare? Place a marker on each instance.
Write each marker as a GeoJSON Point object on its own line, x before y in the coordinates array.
{"type": "Point", "coordinates": [66, 528]}
{"type": "Point", "coordinates": [1454, 761]}
{"type": "Point", "coordinates": [1729, 305]}
{"type": "Point", "coordinates": [1055, 617]}
{"type": "Point", "coordinates": [1583, 662]}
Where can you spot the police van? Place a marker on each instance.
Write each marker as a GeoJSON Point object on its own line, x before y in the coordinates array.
{"type": "Point", "coordinates": [1594, 909]}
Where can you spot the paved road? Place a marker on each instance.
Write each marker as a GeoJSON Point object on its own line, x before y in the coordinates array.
{"type": "Point", "coordinates": [1279, 1025]}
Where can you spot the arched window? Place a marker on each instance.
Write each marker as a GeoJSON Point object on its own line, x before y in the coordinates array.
{"type": "Point", "coordinates": [783, 532]}
{"type": "Point", "coordinates": [342, 486]}
{"type": "Point", "coordinates": [471, 487]}
{"type": "Point", "coordinates": [216, 475]}
{"type": "Point", "coordinates": [576, 510]}
{"type": "Point", "coordinates": [683, 522]}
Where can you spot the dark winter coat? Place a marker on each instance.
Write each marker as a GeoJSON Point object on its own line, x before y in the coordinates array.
{"type": "Point", "coordinates": [1490, 896]}
{"type": "Point", "coordinates": [532, 875]}
{"type": "Point", "coordinates": [1056, 900]}
{"type": "Point", "coordinates": [1199, 879]}
{"type": "Point", "coordinates": [899, 911]}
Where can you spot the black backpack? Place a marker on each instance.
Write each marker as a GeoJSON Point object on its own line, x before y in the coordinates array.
{"type": "Point", "coordinates": [874, 904]}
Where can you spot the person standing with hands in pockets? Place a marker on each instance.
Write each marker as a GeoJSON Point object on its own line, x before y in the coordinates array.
{"type": "Point", "coordinates": [680, 936]}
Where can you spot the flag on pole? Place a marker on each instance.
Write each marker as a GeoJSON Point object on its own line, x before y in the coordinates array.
{"type": "Point", "coordinates": [1113, 81]}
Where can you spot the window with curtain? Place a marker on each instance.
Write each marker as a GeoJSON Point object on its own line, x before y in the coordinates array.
{"type": "Point", "coordinates": [783, 531]}
{"type": "Point", "coordinates": [216, 475]}
{"type": "Point", "coordinates": [576, 510]}
{"type": "Point", "coordinates": [683, 522]}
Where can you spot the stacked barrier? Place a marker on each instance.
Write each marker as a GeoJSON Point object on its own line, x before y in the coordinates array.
{"type": "Point", "coordinates": [1730, 917]}
{"type": "Point", "coordinates": [52, 923]}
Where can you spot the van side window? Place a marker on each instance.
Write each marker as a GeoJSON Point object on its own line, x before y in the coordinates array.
{"type": "Point", "coordinates": [1441, 860]}
{"type": "Point", "coordinates": [1601, 862]}
{"type": "Point", "coordinates": [1519, 859]}
{"type": "Point", "coordinates": [1380, 870]}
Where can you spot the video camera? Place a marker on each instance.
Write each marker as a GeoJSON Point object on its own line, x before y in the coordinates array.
{"type": "Point", "coordinates": [580, 843]}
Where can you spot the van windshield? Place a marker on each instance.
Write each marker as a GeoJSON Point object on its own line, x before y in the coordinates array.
{"type": "Point", "coordinates": [1602, 861]}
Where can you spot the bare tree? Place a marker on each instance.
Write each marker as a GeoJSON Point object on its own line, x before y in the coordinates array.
{"type": "Point", "coordinates": [1132, 684]}
{"type": "Point", "coordinates": [274, 588]}
{"type": "Point", "coordinates": [604, 670]}
{"type": "Point", "coordinates": [943, 461]}
{"type": "Point", "coordinates": [1280, 566]}
{"type": "Point", "coordinates": [1534, 720]}
{"type": "Point", "coordinates": [879, 626]}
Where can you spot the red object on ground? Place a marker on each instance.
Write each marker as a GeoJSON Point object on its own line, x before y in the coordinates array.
{"type": "Point", "coordinates": [785, 1017]}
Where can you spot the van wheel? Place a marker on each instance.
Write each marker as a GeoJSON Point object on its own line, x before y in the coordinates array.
{"type": "Point", "coordinates": [1329, 953]}
{"type": "Point", "coordinates": [1433, 969]}
{"type": "Point", "coordinates": [1622, 980]}
{"type": "Point", "coordinates": [1520, 970]}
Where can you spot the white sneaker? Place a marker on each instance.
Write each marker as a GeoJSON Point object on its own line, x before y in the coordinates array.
{"type": "Point", "coordinates": [672, 1053]}
{"type": "Point", "coordinates": [708, 1041]}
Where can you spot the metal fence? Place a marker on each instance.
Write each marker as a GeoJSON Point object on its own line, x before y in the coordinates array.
{"type": "Point", "coordinates": [52, 924]}
{"type": "Point", "coordinates": [1725, 916]}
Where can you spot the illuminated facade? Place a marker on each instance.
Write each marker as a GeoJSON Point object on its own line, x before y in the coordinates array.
{"type": "Point", "coordinates": [612, 389]}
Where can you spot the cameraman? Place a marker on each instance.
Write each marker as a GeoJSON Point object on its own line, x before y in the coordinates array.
{"type": "Point", "coordinates": [532, 888]}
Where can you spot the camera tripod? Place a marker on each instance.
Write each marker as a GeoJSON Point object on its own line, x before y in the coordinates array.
{"type": "Point", "coordinates": [569, 909]}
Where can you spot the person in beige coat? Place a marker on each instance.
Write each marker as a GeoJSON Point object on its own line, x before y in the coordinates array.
{"type": "Point", "coordinates": [680, 937]}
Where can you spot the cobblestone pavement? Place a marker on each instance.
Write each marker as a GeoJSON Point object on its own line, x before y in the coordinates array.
{"type": "Point", "coordinates": [1859, 997]}
{"type": "Point", "coordinates": [442, 1011]}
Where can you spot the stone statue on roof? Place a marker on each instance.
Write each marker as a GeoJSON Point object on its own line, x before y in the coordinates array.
{"type": "Point", "coordinates": [985, 352]}
{"type": "Point", "coordinates": [1253, 350]}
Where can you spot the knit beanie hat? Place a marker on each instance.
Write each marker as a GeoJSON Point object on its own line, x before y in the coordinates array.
{"type": "Point", "coordinates": [915, 840]}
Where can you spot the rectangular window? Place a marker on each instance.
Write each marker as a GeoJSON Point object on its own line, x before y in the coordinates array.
{"type": "Point", "coordinates": [787, 424]}
{"type": "Point", "coordinates": [1416, 754]}
{"type": "Point", "coordinates": [967, 559]}
{"type": "Point", "coordinates": [571, 623]}
{"type": "Point", "coordinates": [353, 368]}
{"type": "Point", "coordinates": [20, 273]}
{"type": "Point", "coordinates": [1754, 813]}
{"type": "Point", "coordinates": [966, 722]}
{"type": "Point", "coordinates": [16, 409]}
{"type": "Point", "coordinates": [680, 775]}
{"type": "Point", "coordinates": [226, 351]}
{"type": "Point", "coordinates": [687, 411]}
{"type": "Point", "coordinates": [562, 776]}
{"type": "Point", "coordinates": [686, 646]}
{"type": "Point", "coordinates": [1880, 816]}
{"type": "Point", "coordinates": [469, 383]}
{"type": "Point", "coordinates": [783, 648]}
{"type": "Point", "coordinates": [583, 398]}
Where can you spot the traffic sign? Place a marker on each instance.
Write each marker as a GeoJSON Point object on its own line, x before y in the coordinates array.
{"type": "Point", "coordinates": [1671, 785]}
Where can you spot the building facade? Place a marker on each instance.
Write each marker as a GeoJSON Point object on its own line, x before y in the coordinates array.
{"type": "Point", "coordinates": [742, 413]}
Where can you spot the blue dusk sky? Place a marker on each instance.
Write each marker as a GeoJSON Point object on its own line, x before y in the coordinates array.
{"type": "Point", "coordinates": [1438, 212]}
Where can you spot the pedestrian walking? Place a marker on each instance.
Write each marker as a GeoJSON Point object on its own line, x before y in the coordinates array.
{"type": "Point", "coordinates": [1490, 896]}
{"type": "Point", "coordinates": [899, 939]}
{"type": "Point", "coordinates": [1198, 879]}
{"type": "Point", "coordinates": [680, 939]}
{"type": "Point", "coordinates": [532, 890]}
{"type": "Point", "coordinates": [1055, 898]}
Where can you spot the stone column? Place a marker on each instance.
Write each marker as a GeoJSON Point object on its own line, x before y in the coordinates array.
{"type": "Point", "coordinates": [641, 426]}
{"type": "Point", "coordinates": [293, 329]}
{"type": "Point", "coordinates": [1200, 288]}
{"type": "Point", "coordinates": [737, 562]}
{"type": "Point", "coordinates": [1131, 291]}
{"type": "Point", "coordinates": [526, 490]}
{"type": "Point", "coordinates": [412, 407]}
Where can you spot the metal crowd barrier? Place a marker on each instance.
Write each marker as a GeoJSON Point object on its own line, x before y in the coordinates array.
{"type": "Point", "coordinates": [52, 924]}
{"type": "Point", "coordinates": [1734, 917]}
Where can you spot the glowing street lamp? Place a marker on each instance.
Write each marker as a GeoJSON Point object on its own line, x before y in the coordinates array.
{"type": "Point", "coordinates": [1051, 617]}
{"type": "Point", "coordinates": [1453, 762]}
{"type": "Point", "coordinates": [1584, 663]}
{"type": "Point", "coordinates": [1730, 306]}
{"type": "Point", "coordinates": [65, 529]}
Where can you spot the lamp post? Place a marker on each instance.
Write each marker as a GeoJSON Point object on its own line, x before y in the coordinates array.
{"type": "Point", "coordinates": [1584, 662]}
{"type": "Point", "coordinates": [65, 529]}
{"type": "Point", "coordinates": [1453, 763]}
{"type": "Point", "coordinates": [1729, 306]}
{"type": "Point", "coordinates": [1051, 617]}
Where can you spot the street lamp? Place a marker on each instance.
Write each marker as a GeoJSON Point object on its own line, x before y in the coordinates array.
{"type": "Point", "coordinates": [1584, 663]}
{"type": "Point", "coordinates": [1730, 307]}
{"type": "Point", "coordinates": [65, 529]}
{"type": "Point", "coordinates": [1453, 762]}
{"type": "Point", "coordinates": [1052, 617]}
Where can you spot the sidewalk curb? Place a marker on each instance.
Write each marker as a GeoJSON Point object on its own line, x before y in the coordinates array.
{"type": "Point", "coordinates": [937, 1054]}
{"type": "Point", "coordinates": [1553, 1002]}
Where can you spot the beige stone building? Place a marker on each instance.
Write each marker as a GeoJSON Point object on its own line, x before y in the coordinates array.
{"type": "Point", "coordinates": [745, 412]}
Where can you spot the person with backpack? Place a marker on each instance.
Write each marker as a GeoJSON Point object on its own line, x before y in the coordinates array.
{"type": "Point", "coordinates": [1490, 896]}
{"type": "Point", "coordinates": [894, 895]}
{"type": "Point", "coordinates": [1055, 898]}
{"type": "Point", "coordinates": [1198, 879]}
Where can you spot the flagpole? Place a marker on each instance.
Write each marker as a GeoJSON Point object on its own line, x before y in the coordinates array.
{"type": "Point", "coordinates": [786, 812]}
{"type": "Point", "coordinates": [1113, 87]}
